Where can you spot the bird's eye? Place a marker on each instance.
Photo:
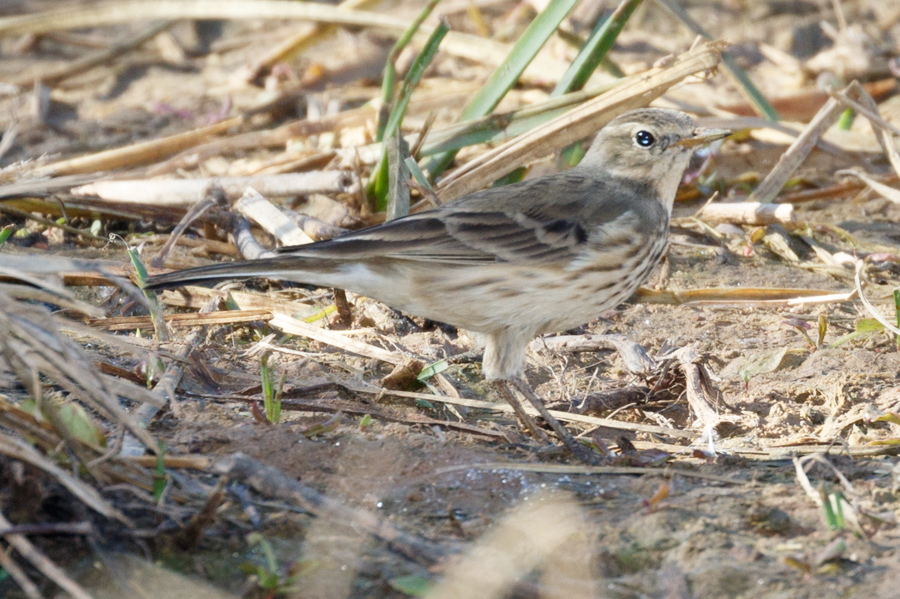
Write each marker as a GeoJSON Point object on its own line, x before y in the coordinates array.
{"type": "Point", "coordinates": [644, 139]}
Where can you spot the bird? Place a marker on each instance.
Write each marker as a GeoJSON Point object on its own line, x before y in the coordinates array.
{"type": "Point", "coordinates": [515, 262]}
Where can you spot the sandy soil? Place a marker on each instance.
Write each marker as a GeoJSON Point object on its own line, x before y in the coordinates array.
{"type": "Point", "coordinates": [737, 523]}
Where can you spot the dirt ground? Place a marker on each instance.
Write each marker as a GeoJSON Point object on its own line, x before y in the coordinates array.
{"type": "Point", "coordinates": [670, 516]}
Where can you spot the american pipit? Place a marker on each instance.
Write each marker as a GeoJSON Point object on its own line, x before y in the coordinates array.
{"type": "Point", "coordinates": [513, 262]}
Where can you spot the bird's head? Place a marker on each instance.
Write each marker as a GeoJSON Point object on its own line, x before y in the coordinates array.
{"type": "Point", "coordinates": [649, 145]}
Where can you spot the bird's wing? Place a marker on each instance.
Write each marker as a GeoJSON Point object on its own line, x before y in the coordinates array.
{"type": "Point", "coordinates": [493, 225]}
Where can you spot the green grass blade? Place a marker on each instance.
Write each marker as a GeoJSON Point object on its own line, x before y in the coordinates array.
{"type": "Point", "coordinates": [595, 49]}
{"type": "Point", "coordinates": [523, 52]}
{"type": "Point", "coordinates": [498, 127]}
{"type": "Point", "coordinates": [231, 303]}
{"type": "Point", "coordinates": [830, 517]}
{"type": "Point", "coordinates": [864, 328]}
{"type": "Point", "coordinates": [756, 98]}
{"type": "Point", "coordinates": [846, 120]}
{"type": "Point", "coordinates": [388, 82]}
{"type": "Point", "coordinates": [432, 369]}
{"type": "Point", "coordinates": [608, 65]}
{"type": "Point", "coordinates": [589, 58]}
{"type": "Point", "coordinates": [271, 403]}
{"type": "Point", "coordinates": [413, 585]}
{"type": "Point", "coordinates": [837, 500]}
{"type": "Point", "coordinates": [415, 75]}
{"type": "Point", "coordinates": [486, 129]}
{"type": "Point", "coordinates": [506, 75]}
{"type": "Point", "coordinates": [378, 187]}
{"type": "Point", "coordinates": [6, 232]}
{"type": "Point", "coordinates": [156, 314]}
{"type": "Point", "coordinates": [138, 265]}
{"type": "Point", "coordinates": [413, 167]}
{"type": "Point", "coordinates": [398, 190]}
{"type": "Point", "coordinates": [276, 403]}
{"type": "Point", "coordinates": [513, 176]}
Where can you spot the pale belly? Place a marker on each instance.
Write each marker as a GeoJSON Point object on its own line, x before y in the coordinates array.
{"type": "Point", "coordinates": [495, 297]}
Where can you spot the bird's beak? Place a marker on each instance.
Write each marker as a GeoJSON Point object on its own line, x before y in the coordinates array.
{"type": "Point", "coordinates": [702, 137]}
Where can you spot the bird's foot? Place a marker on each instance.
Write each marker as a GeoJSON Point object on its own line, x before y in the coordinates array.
{"type": "Point", "coordinates": [527, 422]}
{"type": "Point", "coordinates": [580, 451]}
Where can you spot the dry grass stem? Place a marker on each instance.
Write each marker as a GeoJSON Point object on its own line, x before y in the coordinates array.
{"type": "Point", "coordinates": [116, 50]}
{"type": "Point", "coordinates": [190, 462]}
{"type": "Point", "coordinates": [383, 413]}
{"type": "Point", "coordinates": [842, 189]}
{"type": "Point", "coordinates": [130, 323]}
{"type": "Point", "coordinates": [747, 213]}
{"type": "Point", "coordinates": [578, 123]}
{"type": "Point", "coordinates": [460, 44]}
{"type": "Point", "coordinates": [108, 13]}
{"type": "Point", "coordinates": [209, 246]}
{"type": "Point", "coordinates": [258, 209]}
{"type": "Point", "coordinates": [197, 297]}
{"type": "Point", "coordinates": [702, 396]}
{"type": "Point", "coordinates": [32, 345]}
{"type": "Point", "coordinates": [562, 416]}
{"type": "Point", "coordinates": [634, 356]}
{"type": "Point", "coordinates": [187, 192]}
{"type": "Point", "coordinates": [210, 200]}
{"type": "Point", "coordinates": [16, 572]}
{"type": "Point", "coordinates": [41, 563]}
{"type": "Point", "coordinates": [140, 153]}
{"type": "Point", "coordinates": [743, 296]}
{"type": "Point", "coordinates": [170, 379]}
{"type": "Point", "coordinates": [19, 450]}
{"type": "Point", "coordinates": [305, 38]}
{"type": "Point", "coordinates": [766, 191]}
{"type": "Point", "coordinates": [884, 131]}
{"type": "Point", "coordinates": [885, 191]}
{"type": "Point", "coordinates": [292, 326]}
{"type": "Point", "coordinates": [28, 185]}
{"type": "Point", "coordinates": [860, 265]}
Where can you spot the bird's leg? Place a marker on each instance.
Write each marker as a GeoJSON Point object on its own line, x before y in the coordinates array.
{"type": "Point", "coordinates": [578, 450]}
{"type": "Point", "coordinates": [503, 388]}
{"type": "Point", "coordinates": [345, 315]}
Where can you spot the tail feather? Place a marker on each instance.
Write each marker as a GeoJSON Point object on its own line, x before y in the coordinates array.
{"type": "Point", "coordinates": [291, 268]}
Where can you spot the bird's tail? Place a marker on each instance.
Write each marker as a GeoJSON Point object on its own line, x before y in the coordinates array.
{"type": "Point", "coordinates": [291, 268]}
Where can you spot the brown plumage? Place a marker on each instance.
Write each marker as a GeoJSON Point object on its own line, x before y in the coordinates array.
{"type": "Point", "coordinates": [512, 262]}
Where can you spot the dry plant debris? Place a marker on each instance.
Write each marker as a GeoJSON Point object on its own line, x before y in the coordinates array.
{"type": "Point", "coordinates": [747, 402]}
